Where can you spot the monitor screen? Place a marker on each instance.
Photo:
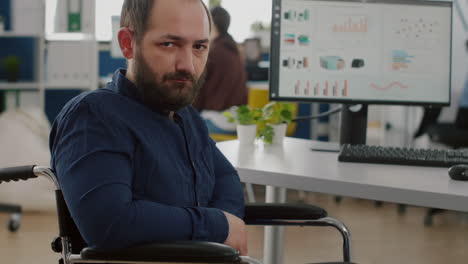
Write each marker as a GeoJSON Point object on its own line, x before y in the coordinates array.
{"type": "Point", "coordinates": [375, 52]}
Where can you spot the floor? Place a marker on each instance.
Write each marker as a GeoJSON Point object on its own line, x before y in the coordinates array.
{"type": "Point", "coordinates": [380, 235]}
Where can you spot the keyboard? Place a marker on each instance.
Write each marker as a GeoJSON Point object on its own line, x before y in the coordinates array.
{"type": "Point", "coordinates": [402, 156]}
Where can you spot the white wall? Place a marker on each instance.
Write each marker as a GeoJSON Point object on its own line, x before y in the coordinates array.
{"type": "Point", "coordinates": [28, 16]}
{"type": "Point", "coordinates": [244, 13]}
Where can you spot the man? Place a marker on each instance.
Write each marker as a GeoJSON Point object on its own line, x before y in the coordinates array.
{"type": "Point", "coordinates": [134, 160]}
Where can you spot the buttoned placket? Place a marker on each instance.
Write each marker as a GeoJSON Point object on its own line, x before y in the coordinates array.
{"type": "Point", "coordinates": [178, 120]}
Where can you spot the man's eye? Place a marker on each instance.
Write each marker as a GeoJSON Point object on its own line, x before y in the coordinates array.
{"type": "Point", "coordinates": [166, 44]}
{"type": "Point", "coordinates": [200, 47]}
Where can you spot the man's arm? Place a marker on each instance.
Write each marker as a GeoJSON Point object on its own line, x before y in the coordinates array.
{"type": "Point", "coordinates": [228, 196]}
{"type": "Point", "coordinates": [95, 173]}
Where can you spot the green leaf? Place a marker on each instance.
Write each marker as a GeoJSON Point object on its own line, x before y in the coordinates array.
{"type": "Point", "coordinates": [267, 133]}
{"type": "Point", "coordinates": [286, 115]}
{"type": "Point", "coordinates": [277, 113]}
{"type": "Point", "coordinates": [243, 115]}
{"type": "Point", "coordinates": [229, 117]}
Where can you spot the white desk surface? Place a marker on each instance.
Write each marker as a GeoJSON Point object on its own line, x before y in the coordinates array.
{"type": "Point", "coordinates": [293, 165]}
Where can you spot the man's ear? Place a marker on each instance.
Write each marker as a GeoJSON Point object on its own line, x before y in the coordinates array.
{"type": "Point", "coordinates": [125, 37]}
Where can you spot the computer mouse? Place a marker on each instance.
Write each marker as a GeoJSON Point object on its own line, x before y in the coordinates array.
{"type": "Point", "coordinates": [459, 172]}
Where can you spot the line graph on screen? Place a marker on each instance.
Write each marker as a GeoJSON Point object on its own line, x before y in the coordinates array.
{"type": "Point", "coordinates": [389, 86]}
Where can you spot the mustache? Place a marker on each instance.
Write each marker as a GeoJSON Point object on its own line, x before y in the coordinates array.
{"type": "Point", "coordinates": [179, 75]}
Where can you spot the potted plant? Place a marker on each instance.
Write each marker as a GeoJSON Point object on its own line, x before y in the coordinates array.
{"type": "Point", "coordinates": [10, 65]}
{"type": "Point", "coordinates": [246, 119]}
{"type": "Point", "coordinates": [276, 116]}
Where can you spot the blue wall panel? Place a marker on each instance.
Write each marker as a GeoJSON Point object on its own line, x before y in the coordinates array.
{"type": "Point", "coordinates": [303, 127]}
{"type": "Point", "coordinates": [23, 48]}
{"type": "Point", "coordinates": [5, 12]}
{"type": "Point", "coordinates": [107, 64]}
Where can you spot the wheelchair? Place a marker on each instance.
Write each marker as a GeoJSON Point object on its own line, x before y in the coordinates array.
{"type": "Point", "coordinates": [73, 249]}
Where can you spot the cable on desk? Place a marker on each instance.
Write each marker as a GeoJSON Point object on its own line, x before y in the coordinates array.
{"type": "Point", "coordinates": [327, 113]}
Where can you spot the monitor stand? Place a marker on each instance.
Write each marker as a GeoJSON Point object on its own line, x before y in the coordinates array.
{"type": "Point", "coordinates": [353, 129]}
{"type": "Point", "coordinates": [325, 146]}
{"type": "Point", "coordinates": [353, 124]}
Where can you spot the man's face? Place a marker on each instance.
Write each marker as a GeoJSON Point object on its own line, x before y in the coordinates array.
{"type": "Point", "coordinates": [169, 61]}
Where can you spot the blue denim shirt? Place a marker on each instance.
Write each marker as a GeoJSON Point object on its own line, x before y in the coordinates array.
{"type": "Point", "coordinates": [131, 175]}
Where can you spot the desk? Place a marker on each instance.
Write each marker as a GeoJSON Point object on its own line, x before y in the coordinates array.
{"type": "Point", "coordinates": [293, 165]}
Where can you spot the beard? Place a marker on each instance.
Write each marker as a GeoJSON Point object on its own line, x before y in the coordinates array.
{"type": "Point", "coordinates": [161, 93]}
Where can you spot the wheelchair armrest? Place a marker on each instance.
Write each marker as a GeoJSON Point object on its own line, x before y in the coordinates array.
{"type": "Point", "coordinates": [177, 251]}
{"type": "Point", "coordinates": [261, 213]}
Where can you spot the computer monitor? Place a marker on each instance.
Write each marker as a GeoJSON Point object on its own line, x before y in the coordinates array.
{"type": "Point", "coordinates": [361, 52]}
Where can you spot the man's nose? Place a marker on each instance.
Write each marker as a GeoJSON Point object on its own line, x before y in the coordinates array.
{"type": "Point", "coordinates": [185, 61]}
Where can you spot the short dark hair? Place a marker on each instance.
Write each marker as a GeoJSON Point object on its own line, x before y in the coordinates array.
{"type": "Point", "coordinates": [135, 14]}
{"type": "Point", "coordinates": [221, 19]}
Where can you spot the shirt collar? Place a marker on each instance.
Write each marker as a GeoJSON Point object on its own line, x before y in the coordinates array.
{"type": "Point", "coordinates": [123, 86]}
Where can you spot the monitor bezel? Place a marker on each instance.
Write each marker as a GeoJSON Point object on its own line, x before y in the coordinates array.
{"type": "Point", "coordinates": [275, 58]}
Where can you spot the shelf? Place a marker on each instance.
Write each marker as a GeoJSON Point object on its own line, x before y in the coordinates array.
{"type": "Point", "coordinates": [25, 86]}
{"type": "Point", "coordinates": [66, 86]}
{"type": "Point", "coordinates": [34, 86]}
{"type": "Point", "coordinates": [11, 34]}
{"type": "Point", "coordinates": [70, 36]}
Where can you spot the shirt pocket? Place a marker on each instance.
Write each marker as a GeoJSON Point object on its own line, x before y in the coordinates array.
{"type": "Point", "coordinates": [205, 175]}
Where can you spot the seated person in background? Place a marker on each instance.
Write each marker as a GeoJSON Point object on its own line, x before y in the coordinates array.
{"type": "Point", "coordinates": [134, 159]}
{"type": "Point", "coordinates": [253, 57]}
{"type": "Point", "coordinates": [225, 84]}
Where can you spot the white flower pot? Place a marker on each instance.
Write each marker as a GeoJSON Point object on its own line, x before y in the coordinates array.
{"type": "Point", "coordinates": [246, 134]}
{"type": "Point", "coordinates": [279, 133]}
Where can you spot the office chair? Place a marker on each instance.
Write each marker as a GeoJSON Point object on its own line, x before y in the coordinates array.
{"type": "Point", "coordinates": [74, 250]}
{"type": "Point", "coordinates": [453, 135]}
{"type": "Point", "coordinates": [15, 215]}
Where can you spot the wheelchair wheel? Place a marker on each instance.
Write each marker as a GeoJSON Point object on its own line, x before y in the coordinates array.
{"type": "Point", "coordinates": [14, 222]}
